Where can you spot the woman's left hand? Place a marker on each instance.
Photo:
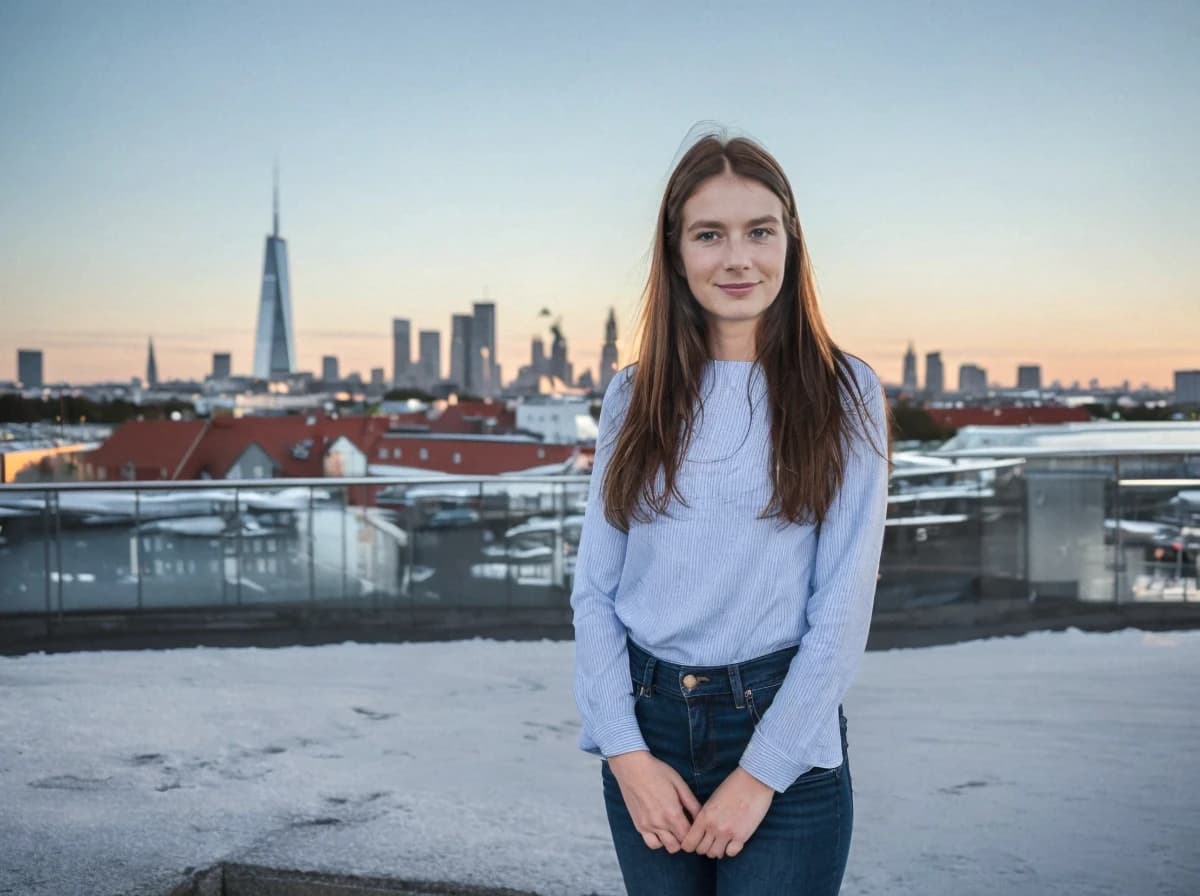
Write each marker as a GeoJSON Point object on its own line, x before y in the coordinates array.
{"type": "Point", "coordinates": [730, 817]}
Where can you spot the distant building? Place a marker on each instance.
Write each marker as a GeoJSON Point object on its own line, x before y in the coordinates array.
{"type": "Point", "coordinates": [222, 365]}
{"type": "Point", "coordinates": [1029, 376]}
{"type": "Point", "coordinates": [559, 365]}
{"type": "Point", "coordinates": [1187, 387]}
{"type": "Point", "coordinates": [972, 380]}
{"type": "Point", "coordinates": [430, 363]}
{"type": "Point", "coordinates": [151, 366]}
{"type": "Point", "coordinates": [329, 368]}
{"type": "Point", "coordinates": [274, 344]}
{"type": "Point", "coordinates": [29, 368]}
{"type": "Point", "coordinates": [377, 375]}
{"type": "Point", "coordinates": [462, 328]}
{"type": "Point", "coordinates": [558, 420]}
{"type": "Point", "coordinates": [910, 371]}
{"type": "Point", "coordinates": [935, 375]}
{"type": "Point", "coordinates": [401, 352]}
{"type": "Point", "coordinates": [608, 354]}
{"type": "Point", "coordinates": [483, 345]}
{"type": "Point", "coordinates": [537, 356]}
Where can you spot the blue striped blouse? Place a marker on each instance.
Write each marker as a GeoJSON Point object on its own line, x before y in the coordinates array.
{"type": "Point", "coordinates": [709, 584]}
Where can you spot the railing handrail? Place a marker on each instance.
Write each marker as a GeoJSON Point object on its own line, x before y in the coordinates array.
{"type": "Point", "coordinates": [297, 482]}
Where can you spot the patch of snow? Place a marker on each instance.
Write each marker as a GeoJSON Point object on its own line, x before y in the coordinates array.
{"type": "Point", "coordinates": [1054, 763]}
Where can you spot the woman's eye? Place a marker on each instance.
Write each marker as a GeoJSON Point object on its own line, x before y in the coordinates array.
{"type": "Point", "coordinates": [703, 236]}
{"type": "Point", "coordinates": [761, 233]}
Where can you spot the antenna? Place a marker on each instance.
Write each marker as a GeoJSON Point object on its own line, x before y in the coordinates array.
{"type": "Point", "coordinates": [276, 230]}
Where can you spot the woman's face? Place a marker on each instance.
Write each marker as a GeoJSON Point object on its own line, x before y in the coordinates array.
{"type": "Point", "coordinates": [734, 250]}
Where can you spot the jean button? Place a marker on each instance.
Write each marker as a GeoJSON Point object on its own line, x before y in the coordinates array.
{"type": "Point", "coordinates": [690, 681]}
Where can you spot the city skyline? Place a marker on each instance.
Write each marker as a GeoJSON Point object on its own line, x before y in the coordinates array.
{"type": "Point", "coordinates": [1003, 188]}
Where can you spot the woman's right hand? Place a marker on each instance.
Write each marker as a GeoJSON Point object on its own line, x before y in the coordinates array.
{"type": "Point", "coordinates": [656, 797]}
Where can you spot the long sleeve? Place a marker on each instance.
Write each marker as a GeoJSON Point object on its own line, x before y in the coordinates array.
{"type": "Point", "coordinates": [838, 611]}
{"type": "Point", "coordinates": [603, 691]}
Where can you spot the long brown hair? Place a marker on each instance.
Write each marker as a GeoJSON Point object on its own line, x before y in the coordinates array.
{"type": "Point", "coordinates": [804, 369]}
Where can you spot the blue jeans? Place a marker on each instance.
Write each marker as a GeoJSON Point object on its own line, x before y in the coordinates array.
{"type": "Point", "coordinates": [799, 849]}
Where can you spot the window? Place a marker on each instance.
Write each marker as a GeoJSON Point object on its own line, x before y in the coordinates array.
{"type": "Point", "coordinates": [424, 454]}
{"type": "Point", "coordinates": [397, 453]}
{"type": "Point", "coordinates": [541, 453]}
{"type": "Point", "coordinates": [457, 458]}
{"type": "Point", "coordinates": [258, 471]}
{"type": "Point", "coordinates": [383, 454]}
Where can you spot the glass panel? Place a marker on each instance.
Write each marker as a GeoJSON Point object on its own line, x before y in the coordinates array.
{"type": "Point", "coordinates": [178, 546]}
{"type": "Point", "coordinates": [26, 529]}
{"type": "Point", "coordinates": [93, 550]}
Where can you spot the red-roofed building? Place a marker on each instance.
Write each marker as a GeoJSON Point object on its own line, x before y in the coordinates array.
{"type": "Point", "coordinates": [956, 418]}
{"type": "Point", "coordinates": [318, 446]}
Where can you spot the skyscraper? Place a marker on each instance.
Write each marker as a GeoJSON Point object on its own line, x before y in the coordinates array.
{"type": "Point", "coordinates": [608, 354]}
{"type": "Point", "coordinates": [274, 346]}
{"type": "Point", "coordinates": [222, 366]}
{"type": "Point", "coordinates": [1029, 376]}
{"type": "Point", "coordinates": [1187, 387]}
{"type": "Point", "coordinates": [972, 380]}
{"type": "Point", "coordinates": [483, 344]}
{"type": "Point", "coordinates": [461, 331]}
{"type": "Point", "coordinates": [935, 374]}
{"type": "Point", "coordinates": [537, 356]}
{"type": "Point", "coordinates": [329, 368]}
{"type": "Point", "coordinates": [430, 364]}
{"type": "Point", "coordinates": [910, 371]}
{"type": "Point", "coordinates": [401, 352]}
{"type": "Point", "coordinates": [151, 366]}
{"type": "Point", "coordinates": [29, 368]}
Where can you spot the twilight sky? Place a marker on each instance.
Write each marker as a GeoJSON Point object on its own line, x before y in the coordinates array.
{"type": "Point", "coordinates": [1005, 183]}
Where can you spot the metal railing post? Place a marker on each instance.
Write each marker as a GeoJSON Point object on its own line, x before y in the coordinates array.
{"type": "Point", "coordinates": [137, 543]}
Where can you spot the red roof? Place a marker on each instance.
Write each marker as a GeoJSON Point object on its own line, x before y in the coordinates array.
{"type": "Point", "coordinates": [957, 418]}
{"type": "Point", "coordinates": [479, 417]}
{"type": "Point", "coordinates": [296, 445]}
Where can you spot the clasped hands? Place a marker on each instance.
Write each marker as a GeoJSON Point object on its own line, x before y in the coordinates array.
{"type": "Point", "coordinates": [660, 803]}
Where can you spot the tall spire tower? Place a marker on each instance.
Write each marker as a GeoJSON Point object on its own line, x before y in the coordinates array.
{"type": "Point", "coordinates": [151, 366]}
{"type": "Point", "coordinates": [608, 354]}
{"type": "Point", "coordinates": [274, 344]}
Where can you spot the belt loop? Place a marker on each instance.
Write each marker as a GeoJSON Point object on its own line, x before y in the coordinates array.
{"type": "Point", "coordinates": [735, 683]}
{"type": "Point", "coordinates": [648, 677]}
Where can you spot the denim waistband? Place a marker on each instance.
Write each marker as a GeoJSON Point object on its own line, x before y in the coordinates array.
{"type": "Point", "coordinates": [654, 676]}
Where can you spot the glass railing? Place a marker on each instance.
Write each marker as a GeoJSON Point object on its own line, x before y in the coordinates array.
{"type": "Point", "coordinates": [1026, 529]}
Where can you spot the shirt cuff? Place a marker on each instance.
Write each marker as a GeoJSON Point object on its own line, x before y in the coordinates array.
{"type": "Point", "coordinates": [619, 736]}
{"type": "Point", "coordinates": [771, 766]}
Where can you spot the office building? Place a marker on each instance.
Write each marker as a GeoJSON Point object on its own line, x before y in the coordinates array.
{"type": "Point", "coordinates": [972, 380]}
{"type": "Point", "coordinates": [430, 363]}
{"type": "Point", "coordinates": [483, 345]}
{"type": "Point", "coordinates": [1187, 387]}
{"type": "Point", "coordinates": [1029, 376]}
{"type": "Point", "coordinates": [935, 375]}
{"type": "Point", "coordinates": [29, 368]}
{"type": "Point", "coordinates": [329, 368]}
{"type": "Point", "coordinates": [274, 345]}
{"type": "Point", "coordinates": [222, 365]}
{"type": "Point", "coordinates": [462, 327]}
{"type": "Point", "coordinates": [377, 382]}
{"type": "Point", "coordinates": [401, 352]}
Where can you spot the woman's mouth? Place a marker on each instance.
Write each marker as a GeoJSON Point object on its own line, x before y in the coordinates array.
{"type": "Point", "coordinates": [736, 289]}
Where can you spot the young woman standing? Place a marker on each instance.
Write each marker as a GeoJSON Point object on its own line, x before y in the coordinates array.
{"type": "Point", "coordinates": [729, 554]}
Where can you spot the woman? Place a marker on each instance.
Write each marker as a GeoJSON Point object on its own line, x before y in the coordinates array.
{"type": "Point", "coordinates": [730, 549]}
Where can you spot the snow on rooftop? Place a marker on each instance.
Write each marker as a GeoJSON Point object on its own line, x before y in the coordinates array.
{"type": "Point", "coordinates": [1054, 763]}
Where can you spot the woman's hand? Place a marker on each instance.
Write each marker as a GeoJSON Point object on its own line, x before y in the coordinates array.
{"type": "Point", "coordinates": [656, 797]}
{"type": "Point", "coordinates": [730, 817]}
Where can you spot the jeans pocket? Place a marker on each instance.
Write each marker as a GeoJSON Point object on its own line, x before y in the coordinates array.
{"type": "Point", "coordinates": [759, 699]}
{"type": "Point", "coordinates": [817, 775]}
